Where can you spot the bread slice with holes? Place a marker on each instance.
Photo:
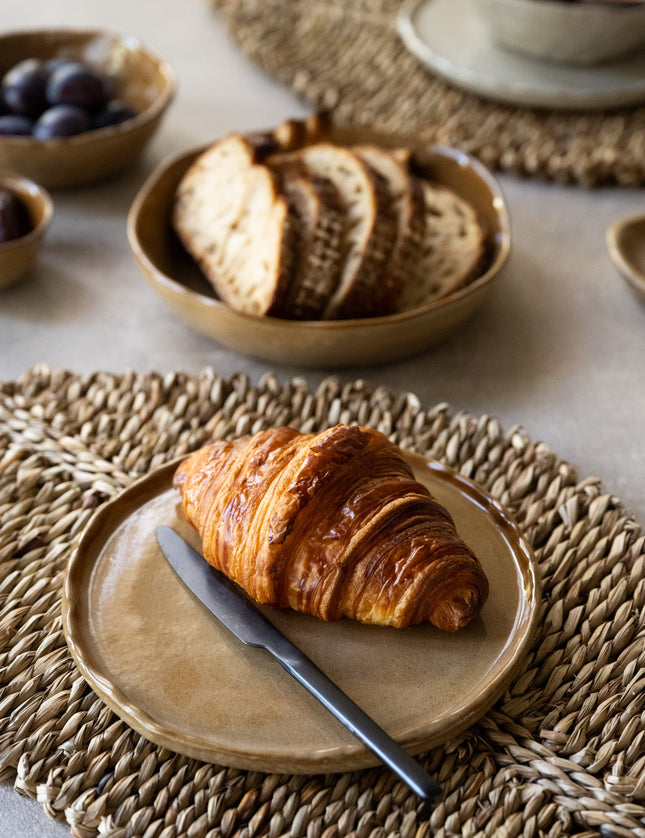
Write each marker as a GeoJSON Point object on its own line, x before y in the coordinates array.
{"type": "Point", "coordinates": [317, 251]}
{"type": "Point", "coordinates": [317, 246]}
{"type": "Point", "coordinates": [452, 248]}
{"type": "Point", "coordinates": [406, 201]}
{"type": "Point", "coordinates": [369, 227]}
{"type": "Point", "coordinates": [234, 219]}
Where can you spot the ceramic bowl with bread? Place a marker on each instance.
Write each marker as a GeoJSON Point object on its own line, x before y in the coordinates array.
{"type": "Point", "coordinates": [321, 245]}
{"type": "Point", "coordinates": [582, 32]}
{"type": "Point", "coordinates": [139, 83]}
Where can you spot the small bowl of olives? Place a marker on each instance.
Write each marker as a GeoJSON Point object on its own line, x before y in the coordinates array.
{"type": "Point", "coordinates": [26, 211]}
{"type": "Point", "coordinates": [77, 106]}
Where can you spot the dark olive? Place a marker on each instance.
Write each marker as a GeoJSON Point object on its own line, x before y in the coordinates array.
{"type": "Point", "coordinates": [76, 84]}
{"type": "Point", "coordinates": [61, 121]}
{"type": "Point", "coordinates": [23, 87]}
{"type": "Point", "coordinates": [14, 217]}
{"type": "Point", "coordinates": [113, 113]}
{"type": "Point", "coordinates": [57, 97]}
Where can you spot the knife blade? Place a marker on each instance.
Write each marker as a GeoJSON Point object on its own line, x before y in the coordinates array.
{"type": "Point", "coordinates": [227, 602]}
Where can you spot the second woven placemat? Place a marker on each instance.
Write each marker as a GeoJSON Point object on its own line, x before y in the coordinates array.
{"type": "Point", "coordinates": [561, 753]}
{"type": "Point", "coordinates": [347, 57]}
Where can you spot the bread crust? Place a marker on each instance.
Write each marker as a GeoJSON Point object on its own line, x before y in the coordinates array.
{"type": "Point", "coordinates": [317, 252]}
{"type": "Point", "coordinates": [452, 247]}
{"type": "Point", "coordinates": [232, 217]}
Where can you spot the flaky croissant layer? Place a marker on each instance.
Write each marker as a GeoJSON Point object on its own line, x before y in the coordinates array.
{"type": "Point", "coordinates": [331, 524]}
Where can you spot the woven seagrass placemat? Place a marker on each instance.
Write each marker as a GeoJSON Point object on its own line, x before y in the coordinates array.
{"type": "Point", "coordinates": [561, 753]}
{"type": "Point", "coordinates": [347, 57]}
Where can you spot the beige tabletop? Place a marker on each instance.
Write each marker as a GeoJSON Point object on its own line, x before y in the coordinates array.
{"type": "Point", "coordinates": [557, 349]}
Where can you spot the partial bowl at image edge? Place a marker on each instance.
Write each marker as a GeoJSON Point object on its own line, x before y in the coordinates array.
{"type": "Point", "coordinates": [18, 255]}
{"type": "Point", "coordinates": [626, 246]}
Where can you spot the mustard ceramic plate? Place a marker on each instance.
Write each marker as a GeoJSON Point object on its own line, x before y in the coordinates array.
{"type": "Point", "coordinates": [171, 671]}
{"type": "Point", "coordinates": [175, 277]}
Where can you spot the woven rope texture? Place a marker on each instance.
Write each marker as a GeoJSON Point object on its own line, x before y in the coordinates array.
{"type": "Point", "coordinates": [561, 753]}
{"type": "Point", "coordinates": [347, 57]}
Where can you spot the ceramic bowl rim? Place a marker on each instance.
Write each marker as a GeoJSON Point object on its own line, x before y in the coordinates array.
{"type": "Point", "coordinates": [502, 249]}
{"type": "Point", "coordinates": [19, 185]}
{"type": "Point", "coordinates": [617, 254]}
{"type": "Point", "coordinates": [159, 104]}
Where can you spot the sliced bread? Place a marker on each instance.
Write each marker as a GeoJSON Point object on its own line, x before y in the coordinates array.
{"type": "Point", "coordinates": [317, 252]}
{"type": "Point", "coordinates": [323, 231]}
{"type": "Point", "coordinates": [368, 224]}
{"type": "Point", "coordinates": [231, 215]}
{"type": "Point", "coordinates": [406, 200]}
{"type": "Point", "coordinates": [452, 248]}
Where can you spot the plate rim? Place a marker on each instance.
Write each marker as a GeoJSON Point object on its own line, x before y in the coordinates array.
{"type": "Point", "coordinates": [564, 98]}
{"type": "Point", "coordinates": [340, 757]}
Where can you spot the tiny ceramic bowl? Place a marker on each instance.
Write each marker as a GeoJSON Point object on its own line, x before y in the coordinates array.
{"type": "Point", "coordinates": [175, 277]}
{"type": "Point", "coordinates": [583, 32]}
{"type": "Point", "coordinates": [18, 255]}
{"type": "Point", "coordinates": [626, 246]}
{"type": "Point", "coordinates": [139, 77]}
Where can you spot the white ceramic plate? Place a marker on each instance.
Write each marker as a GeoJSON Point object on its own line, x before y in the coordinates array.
{"type": "Point", "coordinates": [167, 667]}
{"type": "Point", "coordinates": [452, 40]}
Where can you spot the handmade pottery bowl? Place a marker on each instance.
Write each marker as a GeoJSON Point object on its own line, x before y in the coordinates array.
{"type": "Point", "coordinates": [626, 246]}
{"type": "Point", "coordinates": [17, 255]}
{"type": "Point", "coordinates": [140, 78]}
{"type": "Point", "coordinates": [174, 275]}
{"type": "Point", "coordinates": [583, 32]}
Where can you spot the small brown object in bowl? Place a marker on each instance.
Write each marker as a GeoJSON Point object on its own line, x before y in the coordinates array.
{"type": "Point", "coordinates": [26, 211]}
{"type": "Point", "coordinates": [138, 79]}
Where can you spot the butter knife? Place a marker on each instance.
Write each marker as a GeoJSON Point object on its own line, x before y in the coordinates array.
{"type": "Point", "coordinates": [225, 600]}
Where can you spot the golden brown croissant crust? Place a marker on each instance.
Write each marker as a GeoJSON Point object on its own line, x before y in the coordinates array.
{"type": "Point", "coordinates": [331, 524]}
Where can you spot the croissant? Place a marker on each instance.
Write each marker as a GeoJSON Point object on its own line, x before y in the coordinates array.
{"type": "Point", "coordinates": [331, 524]}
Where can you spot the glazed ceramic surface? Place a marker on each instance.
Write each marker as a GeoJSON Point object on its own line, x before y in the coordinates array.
{"type": "Point", "coordinates": [176, 278]}
{"type": "Point", "coordinates": [160, 660]}
{"type": "Point", "coordinates": [141, 78]}
{"type": "Point", "coordinates": [18, 255]}
{"type": "Point", "coordinates": [626, 245]}
{"type": "Point", "coordinates": [452, 39]}
{"type": "Point", "coordinates": [557, 30]}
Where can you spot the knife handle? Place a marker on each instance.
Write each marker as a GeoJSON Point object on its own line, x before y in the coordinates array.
{"type": "Point", "coordinates": [305, 671]}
